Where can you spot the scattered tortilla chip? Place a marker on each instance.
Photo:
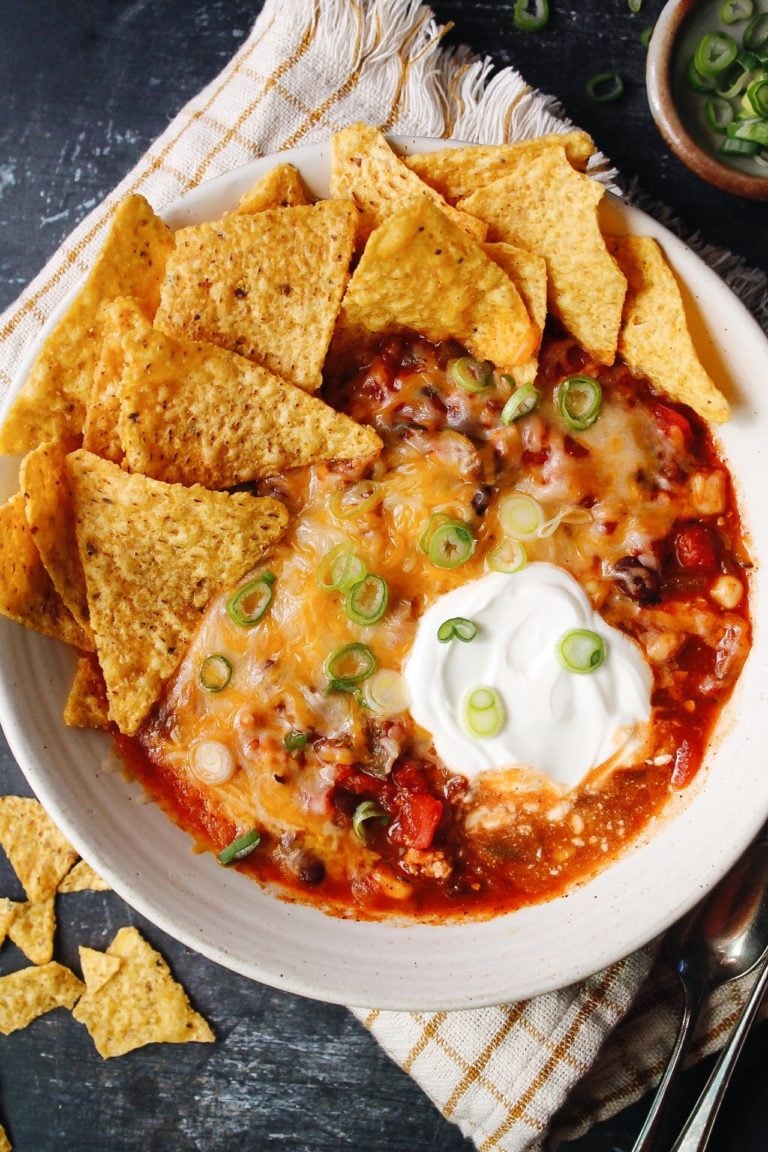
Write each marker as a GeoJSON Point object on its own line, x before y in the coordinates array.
{"type": "Point", "coordinates": [280, 188]}
{"type": "Point", "coordinates": [52, 400]}
{"type": "Point", "coordinates": [27, 593]}
{"type": "Point", "coordinates": [528, 272]}
{"type": "Point", "coordinates": [83, 878]}
{"type": "Point", "coordinates": [266, 285]}
{"type": "Point", "coordinates": [139, 1003]}
{"type": "Point", "coordinates": [30, 992]}
{"type": "Point", "coordinates": [87, 705]}
{"type": "Point", "coordinates": [546, 206]}
{"type": "Point", "coordinates": [654, 338]}
{"type": "Point", "coordinates": [8, 909]}
{"type": "Point", "coordinates": [5, 1144]}
{"type": "Point", "coordinates": [154, 554]}
{"type": "Point", "coordinates": [33, 928]}
{"type": "Point", "coordinates": [39, 854]}
{"type": "Point", "coordinates": [197, 414]}
{"type": "Point", "coordinates": [421, 273]}
{"type": "Point", "coordinates": [100, 429]}
{"type": "Point", "coordinates": [458, 172]}
{"type": "Point", "coordinates": [366, 170]}
{"type": "Point", "coordinates": [98, 968]}
{"type": "Point", "coordinates": [48, 508]}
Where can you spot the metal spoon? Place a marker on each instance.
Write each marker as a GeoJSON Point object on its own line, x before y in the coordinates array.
{"type": "Point", "coordinates": [722, 938]}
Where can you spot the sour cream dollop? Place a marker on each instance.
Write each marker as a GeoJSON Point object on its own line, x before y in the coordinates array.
{"type": "Point", "coordinates": [557, 722]}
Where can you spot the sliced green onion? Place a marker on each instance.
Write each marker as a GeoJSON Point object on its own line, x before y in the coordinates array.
{"type": "Point", "coordinates": [645, 35]}
{"type": "Point", "coordinates": [348, 666]}
{"type": "Point", "coordinates": [248, 605]}
{"type": "Point", "coordinates": [755, 131]}
{"type": "Point", "coordinates": [581, 651]}
{"type": "Point", "coordinates": [530, 15]}
{"type": "Point", "coordinates": [521, 516]}
{"type": "Point", "coordinates": [457, 628]}
{"type": "Point", "coordinates": [293, 741]}
{"type": "Point", "coordinates": [386, 692]}
{"type": "Point", "coordinates": [522, 401]}
{"type": "Point", "coordinates": [732, 11]}
{"type": "Point", "coordinates": [739, 147]}
{"type": "Point", "coordinates": [448, 542]}
{"type": "Point", "coordinates": [696, 82]}
{"type": "Point", "coordinates": [368, 810]}
{"type": "Point", "coordinates": [340, 568]}
{"type": "Point", "coordinates": [755, 99]}
{"type": "Point", "coordinates": [755, 37]}
{"type": "Point", "coordinates": [484, 714]}
{"type": "Point", "coordinates": [509, 556]}
{"type": "Point", "coordinates": [719, 113]}
{"type": "Point", "coordinates": [366, 601]}
{"type": "Point", "coordinates": [215, 672]}
{"type": "Point", "coordinates": [470, 374]}
{"type": "Point", "coordinates": [715, 52]}
{"type": "Point", "coordinates": [239, 848]}
{"type": "Point", "coordinates": [357, 499]}
{"type": "Point", "coordinates": [634, 6]}
{"type": "Point", "coordinates": [579, 399]}
{"type": "Point", "coordinates": [737, 76]}
{"type": "Point", "coordinates": [605, 87]}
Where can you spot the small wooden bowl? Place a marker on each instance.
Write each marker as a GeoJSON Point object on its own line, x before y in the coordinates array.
{"type": "Point", "coordinates": [665, 42]}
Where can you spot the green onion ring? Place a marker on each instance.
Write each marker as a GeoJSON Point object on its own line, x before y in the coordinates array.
{"type": "Point", "coordinates": [732, 11]}
{"type": "Point", "coordinates": [447, 541]}
{"type": "Point", "coordinates": [579, 399]}
{"type": "Point", "coordinates": [530, 15]}
{"type": "Point", "coordinates": [719, 113]}
{"type": "Point", "coordinates": [366, 601]}
{"type": "Point", "coordinates": [367, 810]}
{"type": "Point", "coordinates": [715, 52]}
{"type": "Point", "coordinates": [483, 713]}
{"type": "Point", "coordinates": [215, 672]}
{"type": "Point", "coordinates": [755, 131]}
{"type": "Point", "coordinates": [521, 516]}
{"type": "Point", "coordinates": [357, 499]}
{"type": "Point", "coordinates": [240, 847]}
{"type": "Point", "coordinates": [645, 35]}
{"type": "Point", "coordinates": [471, 375]}
{"type": "Point", "coordinates": [248, 604]}
{"type": "Point", "coordinates": [509, 556]}
{"type": "Point", "coordinates": [755, 37]}
{"type": "Point", "coordinates": [362, 661]}
{"type": "Point", "coordinates": [294, 740]}
{"type": "Point", "coordinates": [605, 87]}
{"type": "Point", "coordinates": [340, 568]}
{"type": "Point", "coordinates": [457, 628]}
{"type": "Point", "coordinates": [522, 401]}
{"type": "Point", "coordinates": [581, 651]}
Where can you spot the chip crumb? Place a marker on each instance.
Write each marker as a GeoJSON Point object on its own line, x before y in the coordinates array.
{"type": "Point", "coordinates": [30, 992]}
{"type": "Point", "coordinates": [83, 878]}
{"type": "Point", "coordinates": [39, 854]}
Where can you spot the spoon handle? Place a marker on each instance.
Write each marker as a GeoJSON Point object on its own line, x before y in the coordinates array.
{"type": "Point", "coordinates": [698, 1128]}
{"type": "Point", "coordinates": [691, 1009]}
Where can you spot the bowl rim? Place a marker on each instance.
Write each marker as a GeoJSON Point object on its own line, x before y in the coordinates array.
{"type": "Point", "coordinates": [668, 121]}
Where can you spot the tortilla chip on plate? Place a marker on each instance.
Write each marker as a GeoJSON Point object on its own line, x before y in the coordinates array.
{"type": "Point", "coordinates": [48, 508]}
{"type": "Point", "coordinates": [27, 593]}
{"type": "Point", "coordinates": [198, 414]}
{"type": "Point", "coordinates": [53, 398]}
{"type": "Point", "coordinates": [528, 272]}
{"type": "Point", "coordinates": [136, 1003]}
{"type": "Point", "coordinates": [421, 273]}
{"type": "Point", "coordinates": [654, 338]}
{"type": "Point", "coordinates": [30, 992]}
{"type": "Point", "coordinates": [282, 187]}
{"type": "Point", "coordinates": [458, 172]}
{"type": "Point", "coordinates": [366, 170]}
{"type": "Point", "coordinates": [100, 434]}
{"type": "Point", "coordinates": [548, 207]}
{"type": "Point", "coordinates": [87, 705]}
{"type": "Point", "coordinates": [83, 878]}
{"type": "Point", "coordinates": [38, 852]}
{"type": "Point", "coordinates": [153, 555]}
{"type": "Point", "coordinates": [33, 928]}
{"type": "Point", "coordinates": [266, 285]}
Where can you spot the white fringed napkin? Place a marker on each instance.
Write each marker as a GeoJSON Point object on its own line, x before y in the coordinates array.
{"type": "Point", "coordinates": [518, 1076]}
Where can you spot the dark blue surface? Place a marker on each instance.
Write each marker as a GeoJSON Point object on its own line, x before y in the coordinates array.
{"type": "Point", "coordinates": [85, 86]}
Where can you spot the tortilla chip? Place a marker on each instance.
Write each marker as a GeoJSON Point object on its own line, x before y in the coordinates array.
{"type": "Point", "coordinates": [27, 593]}
{"type": "Point", "coordinates": [458, 172]}
{"type": "Point", "coordinates": [30, 992]}
{"type": "Point", "coordinates": [154, 554]}
{"type": "Point", "coordinates": [280, 188]}
{"type": "Point", "coordinates": [98, 968]}
{"type": "Point", "coordinates": [544, 205]}
{"type": "Point", "coordinates": [528, 272]}
{"type": "Point", "coordinates": [267, 286]}
{"type": "Point", "coordinates": [421, 273]}
{"type": "Point", "coordinates": [52, 400]}
{"type": "Point", "coordinates": [33, 928]}
{"type": "Point", "coordinates": [8, 909]}
{"type": "Point", "coordinates": [39, 854]}
{"type": "Point", "coordinates": [654, 338]}
{"type": "Point", "coordinates": [86, 705]}
{"type": "Point", "coordinates": [5, 1144]}
{"type": "Point", "coordinates": [100, 429]}
{"type": "Point", "coordinates": [197, 414]}
{"type": "Point", "coordinates": [139, 1003]}
{"type": "Point", "coordinates": [366, 170]}
{"type": "Point", "coordinates": [83, 878]}
{"type": "Point", "coordinates": [48, 508]}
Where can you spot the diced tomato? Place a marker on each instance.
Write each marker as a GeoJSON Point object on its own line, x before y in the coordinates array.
{"type": "Point", "coordinates": [417, 820]}
{"type": "Point", "coordinates": [673, 423]}
{"type": "Point", "coordinates": [696, 548]}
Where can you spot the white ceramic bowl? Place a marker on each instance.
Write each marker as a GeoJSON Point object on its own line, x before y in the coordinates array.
{"type": "Point", "coordinates": [228, 918]}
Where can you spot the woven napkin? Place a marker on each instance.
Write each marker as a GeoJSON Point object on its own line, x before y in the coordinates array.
{"type": "Point", "coordinates": [517, 1076]}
